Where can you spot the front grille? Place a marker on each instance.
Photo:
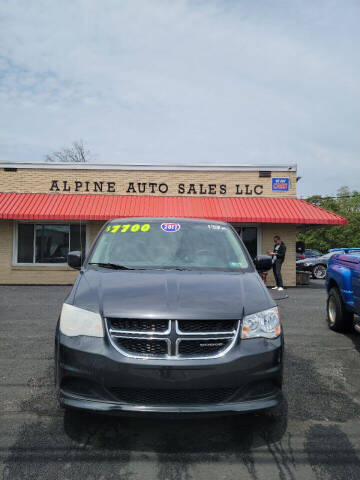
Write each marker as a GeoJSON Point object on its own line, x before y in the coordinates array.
{"type": "Point", "coordinates": [138, 325]}
{"type": "Point", "coordinates": [206, 326]}
{"type": "Point", "coordinates": [143, 346]}
{"type": "Point", "coordinates": [203, 347]}
{"type": "Point", "coordinates": [173, 339]}
{"type": "Point", "coordinates": [142, 396]}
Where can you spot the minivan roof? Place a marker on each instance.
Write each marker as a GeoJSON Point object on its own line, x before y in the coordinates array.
{"type": "Point", "coordinates": [166, 219]}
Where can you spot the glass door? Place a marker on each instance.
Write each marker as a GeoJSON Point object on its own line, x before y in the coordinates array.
{"type": "Point", "coordinates": [249, 236]}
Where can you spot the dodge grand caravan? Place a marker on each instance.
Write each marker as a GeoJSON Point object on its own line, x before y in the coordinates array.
{"type": "Point", "coordinates": [168, 316]}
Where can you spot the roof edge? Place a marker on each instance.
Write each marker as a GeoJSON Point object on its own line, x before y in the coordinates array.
{"type": "Point", "coordinates": [145, 166]}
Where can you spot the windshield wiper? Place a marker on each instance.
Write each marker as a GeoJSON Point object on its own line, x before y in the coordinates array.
{"type": "Point", "coordinates": [182, 269]}
{"type": "Point", "coordinates": [114, 266]}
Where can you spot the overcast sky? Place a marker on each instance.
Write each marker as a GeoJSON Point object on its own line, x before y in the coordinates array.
{"type": "Point", "coordinates": [213, 81]}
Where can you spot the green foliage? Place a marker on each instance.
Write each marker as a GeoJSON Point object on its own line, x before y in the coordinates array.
{"type": "Point", "coordinates": [347, 205]}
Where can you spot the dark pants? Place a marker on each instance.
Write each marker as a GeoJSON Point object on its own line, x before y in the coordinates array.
{"type": "Point", "coordinates": [277, 273]}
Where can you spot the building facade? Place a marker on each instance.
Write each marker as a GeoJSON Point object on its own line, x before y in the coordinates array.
{"type": "Point", "coordinates": [47, 209]}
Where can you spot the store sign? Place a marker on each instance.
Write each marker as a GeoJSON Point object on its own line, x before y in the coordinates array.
{"type": "Point", "coordinates": [153, 188]}
{"type": "Point", "coordinates": [279, 184]}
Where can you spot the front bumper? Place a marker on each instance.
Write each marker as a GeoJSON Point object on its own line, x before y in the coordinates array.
{"type": "Point", "coordinates": [92, 375]}
{"type": "Point", "coordinates": [303, 268]}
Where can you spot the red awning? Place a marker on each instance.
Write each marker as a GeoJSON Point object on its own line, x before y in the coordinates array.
{"type": "Point", "coordinates": [47, 206]}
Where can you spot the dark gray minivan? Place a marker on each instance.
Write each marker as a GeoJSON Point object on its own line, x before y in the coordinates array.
{"type": "Point", "coordinates": [169, 316]}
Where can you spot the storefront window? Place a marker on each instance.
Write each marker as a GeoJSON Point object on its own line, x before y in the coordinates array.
{"type": "Point", "coordinates": [48, 243]}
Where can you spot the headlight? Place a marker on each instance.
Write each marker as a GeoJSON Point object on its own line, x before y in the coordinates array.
{"type": "Point", "coordinates": [76, 321]}
{"type": "Point", "coordinates": [264, 324]}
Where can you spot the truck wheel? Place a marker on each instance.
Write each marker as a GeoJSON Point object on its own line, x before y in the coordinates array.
{"type": "Point", "coordinates": [319, 272]}
{"type": "Point", "coordinates": [339, 319]}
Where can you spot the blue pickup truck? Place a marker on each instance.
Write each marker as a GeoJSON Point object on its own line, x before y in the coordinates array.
{"type": "Point", "coordinates": [343, 287]}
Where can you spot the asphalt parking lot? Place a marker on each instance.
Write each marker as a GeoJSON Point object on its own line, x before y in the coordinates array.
{"type": "Point", "coordinates": [315, 435]}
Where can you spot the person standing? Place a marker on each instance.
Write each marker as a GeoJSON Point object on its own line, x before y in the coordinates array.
{"type": "Point", "coordinates": [278, 257]}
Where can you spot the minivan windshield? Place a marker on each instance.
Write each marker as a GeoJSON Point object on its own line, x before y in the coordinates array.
{"type": "Point", "coordinates": [170, 245]}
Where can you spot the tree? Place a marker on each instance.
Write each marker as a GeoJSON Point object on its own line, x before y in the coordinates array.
{"type": "Point", "coordinates": [345, 204]}
{"type": "Point", "coordinates": [77, 153]}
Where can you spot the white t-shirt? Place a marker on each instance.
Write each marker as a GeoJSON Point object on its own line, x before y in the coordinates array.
{"type": "Point", "coordinates": [276, 249]}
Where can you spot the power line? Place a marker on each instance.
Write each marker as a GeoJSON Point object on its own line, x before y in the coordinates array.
{"type": "Point", "coordinates": [333, 198]}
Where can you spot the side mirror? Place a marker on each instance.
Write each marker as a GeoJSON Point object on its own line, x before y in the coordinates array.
{"type": "Point", "coordinates": [74, 259]}
{"type": "Point", "coordinates": [263, 263]}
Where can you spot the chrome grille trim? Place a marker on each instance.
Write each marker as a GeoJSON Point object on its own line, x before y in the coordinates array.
{"type": "Point", "coordinates": [174, 337]}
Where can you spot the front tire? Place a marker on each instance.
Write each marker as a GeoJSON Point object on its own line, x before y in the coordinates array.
{"type": "Point", "coordinates": [319, 272]}
{"type": "Point", "coordinates": [339, 319]}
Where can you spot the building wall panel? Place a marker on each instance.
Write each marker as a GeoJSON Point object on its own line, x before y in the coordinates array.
{"type": "Point", "coordinates": [40, 181]}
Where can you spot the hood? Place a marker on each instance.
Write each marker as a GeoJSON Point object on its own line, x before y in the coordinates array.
{"type": "Point", "coordinates": [171, 294]}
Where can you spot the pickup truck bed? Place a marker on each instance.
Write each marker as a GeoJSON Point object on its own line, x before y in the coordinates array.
{"type": "Point", "coordinates": [343, 287]}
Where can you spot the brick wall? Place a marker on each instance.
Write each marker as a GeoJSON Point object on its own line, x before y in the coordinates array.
{"type": "Point", "coordinates": [93, 230]}
{"type": "Point", "coordinates": [40, 181]}
{"type": "Point", "coordinates": [33, 274]}
{"type": "Point", "coordinates": [30, 274]}
{"type": "Point", "coordinates": [34, 180]}
{"type": "Point", "coordinates": [46, 275]}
